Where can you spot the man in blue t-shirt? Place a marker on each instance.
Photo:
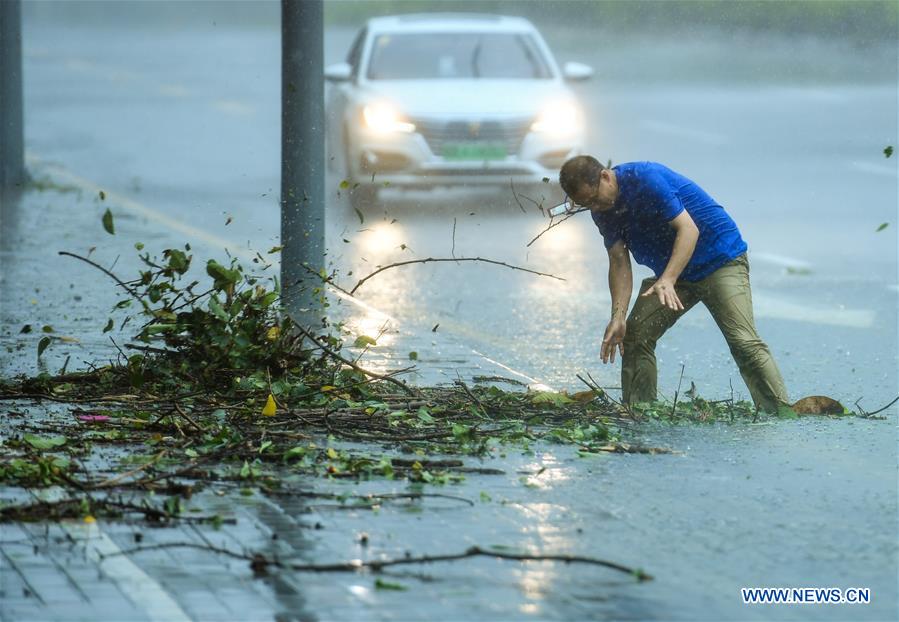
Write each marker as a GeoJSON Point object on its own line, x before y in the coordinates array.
{"type": "Point", "coordinates": [670, 225]}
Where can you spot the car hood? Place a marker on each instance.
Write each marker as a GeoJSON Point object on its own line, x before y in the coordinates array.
{"type": "Point", "coordinates": [466, 98]}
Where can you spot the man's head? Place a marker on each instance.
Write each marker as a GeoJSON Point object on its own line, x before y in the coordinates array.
{"type": "Point", "coordinates": [589, 183]}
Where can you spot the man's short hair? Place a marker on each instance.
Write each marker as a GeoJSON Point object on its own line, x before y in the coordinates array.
{"type": "Point", "coordinates": [579, 171]}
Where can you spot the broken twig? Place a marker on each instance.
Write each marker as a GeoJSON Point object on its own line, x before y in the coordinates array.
{"type": "Point", "coordinates": [259, 562]}
{"type": "Point", "coordinates": [448, 259]}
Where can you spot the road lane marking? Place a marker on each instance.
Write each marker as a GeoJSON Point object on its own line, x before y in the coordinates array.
{"type": "Point", "coordinates": [134, 583]}
{"type": "Point", "coordinates": [140, 209]}
{"type": "Point", "coordinates": [234, 107]}
{"type": "Point", "coordinates": [174, 90]}
{"type": "Point", "coordinates": [533, 384]}
{"type": "Point", "coordinates": [884, 170]}
{"type": "Point", "coordinates": [663, 127]}
{"type": "Point", "coordinates": [780, 260]}
{"type": "Point", "coordinates": [777, 308]}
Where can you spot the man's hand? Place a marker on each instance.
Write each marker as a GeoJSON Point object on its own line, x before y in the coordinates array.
{"type": "Point", "coordinates": [613, 339]}
{"type": "Point", "coordinates": [664, 289]}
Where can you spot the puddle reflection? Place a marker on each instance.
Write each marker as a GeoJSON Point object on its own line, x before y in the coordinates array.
{"type": "Point", "coordinates": [537, 581]}
{"type": "Point", "coordinates": [374, 324]}
{"type": "Point", "coordinates": [546, 472]}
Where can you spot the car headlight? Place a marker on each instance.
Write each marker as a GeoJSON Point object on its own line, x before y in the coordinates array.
{"type": "Point", "coordinates": [385, 119]}
{"type": "Point", "coordinates": [559, 119]}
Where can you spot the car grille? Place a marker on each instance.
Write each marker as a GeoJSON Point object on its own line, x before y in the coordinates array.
{"type": "Point", "coordinates": [506, 132]}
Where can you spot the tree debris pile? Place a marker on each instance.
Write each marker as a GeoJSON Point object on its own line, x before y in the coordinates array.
{"type": "Point", "coordinates": [219, 385]}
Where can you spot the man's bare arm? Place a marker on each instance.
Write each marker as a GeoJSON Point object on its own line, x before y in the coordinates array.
{"type": "Point", "coordinates": [684, 245]}
{"type": "Point", "coordinates": [621, 279]}
{"type": "Point", "coordinates": [621, 282]}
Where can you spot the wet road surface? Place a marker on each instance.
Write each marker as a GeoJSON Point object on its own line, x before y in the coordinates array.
{"type": "Point", "coordinates": [180, 146]}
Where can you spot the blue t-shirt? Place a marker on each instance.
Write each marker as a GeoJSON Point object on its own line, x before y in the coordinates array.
{"type": "Point", "coordinates": [649, 197]}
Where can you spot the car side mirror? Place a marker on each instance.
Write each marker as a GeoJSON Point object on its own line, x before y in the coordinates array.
{"type": "Point", "coordinates": [338, 72]}
{"type": "Point", "coordinates": [577, 72]}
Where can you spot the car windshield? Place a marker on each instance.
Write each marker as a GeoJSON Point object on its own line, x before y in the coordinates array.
{"type": "Point", "coordinates": [467, 55]}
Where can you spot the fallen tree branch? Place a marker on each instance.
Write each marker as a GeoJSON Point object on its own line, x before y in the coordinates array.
{"type": "Point", "coordinates": [74, 508]}
{"type": "Point", "coordinates": [259, 562]}
{"type": "Point", "coordinates": [121, 283]}
{"type": "Point", "coordinates": [115, 480]}
{"type": "Point", "coordinates": [279, 492]}
{"type": "Point", "coordinates": [864, 414]}
{"type": "Point", "coordinates": [448, 259]}
{"type": "Point", "coordinates": [329, 280]}
{"type": "Point", "coordinates": [189, 419]}
{"type": "Point", "coordinates": [353, 365]}
{"type": "Point", "coordinates": [515, 196]}
{"type": "Point", "coordinates": [553, 224]}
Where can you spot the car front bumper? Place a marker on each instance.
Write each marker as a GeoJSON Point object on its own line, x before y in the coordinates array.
{"type": "Point", "coordinates": [420, 160]}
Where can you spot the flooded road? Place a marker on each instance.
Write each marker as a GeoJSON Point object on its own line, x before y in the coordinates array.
{"type": "Point", "coordinates": [185, 123]}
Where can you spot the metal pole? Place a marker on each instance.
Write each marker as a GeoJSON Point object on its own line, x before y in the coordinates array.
{"type": "Point", "coordinates": [12, 136]}
{"type": "Point", "coordinates": [302, 159]}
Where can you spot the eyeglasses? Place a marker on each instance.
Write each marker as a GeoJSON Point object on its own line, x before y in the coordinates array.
{"type": "Point", "coordinates": [568, 206]}
{"type": "Point", "coordinates": [593, 201]}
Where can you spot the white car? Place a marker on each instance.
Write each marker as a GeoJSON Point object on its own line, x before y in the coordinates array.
{"type": "Point", "coordinates": [451, 100]}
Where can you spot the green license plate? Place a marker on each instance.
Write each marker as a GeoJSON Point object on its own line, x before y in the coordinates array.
{"type": "Point", "coordinates": [474, 151]}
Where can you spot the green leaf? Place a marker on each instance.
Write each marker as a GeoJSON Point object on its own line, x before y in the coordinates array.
{"type": "Point", "coordinates": [108, 326]}
{"type": "Point", "coordinates": [47, 329]}
{"type": "Point", "coordinates": [139, 246]}
{"type": "Point", "coordinates": [108, 225]}
{"type": "Point", "coordinates": [888, 151]}
{"type": "Point", "coordinates": [102, 196]}
{"type": "Point", "coordinates": [800, 271]}
{"type": "Point", "coordinates": [361, 217]}
{"type": "Point", "coordinates": [882, 227]}
{"type": "Point", "coordinates": [275, 249]}
{"type": "Point", "coordinates": [785, 412]}
{"type": "Point", "coordinates": [413, 356]}
{"type": "Point", "coordinates": [381, 584]}
{"type": "Point", "coordinates": [215, 307]}
{"type": "Point", "coordinates": [424, 416]}
{"type": "Point", "coordinates": [173, 506]}
{"type": "Point", "coordinates": [294, 452]}
{"type": "Point", "coordinates": [463, 432]}
{"type": "Point", "coordinates": [548, 397]}
{"type": "Point", "coordinates": [25, 329]}
{"type": "Point", "coordinates": [268, 299]}
{"type": "Point", "coordinates": [179, 262]}
{"type": "Point", "coordinates": [364, 340]}
{"type": "Point", "coordinates": [344, 184]}
{"type": "Point", "coordinates": [45, 442]}
{"type": "Point", "coordinates": [42, 345]}
{"type": "Point", "coordinates": [224, 277]}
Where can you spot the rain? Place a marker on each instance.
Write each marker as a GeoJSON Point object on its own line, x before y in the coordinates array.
{"type": "Point", "coordinates": [423, 218]}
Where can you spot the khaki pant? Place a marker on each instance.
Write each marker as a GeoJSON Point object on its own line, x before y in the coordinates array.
{"type": "Point", "coordinates": [727, 295]}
